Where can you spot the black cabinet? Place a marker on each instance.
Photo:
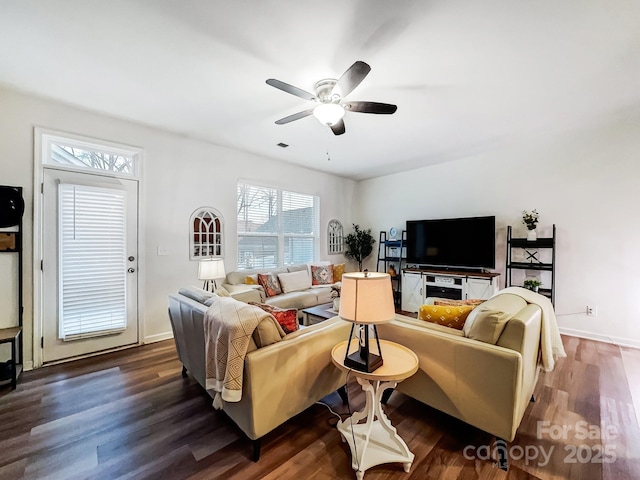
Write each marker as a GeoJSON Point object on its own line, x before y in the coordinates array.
{"type": "Point", "coordinates": [534, 255]}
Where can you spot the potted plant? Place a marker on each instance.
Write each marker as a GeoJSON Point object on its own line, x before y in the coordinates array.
{"type": "Point", "coordinates": [335, 294]}
{"type": "Point", "coordinates": [359, 245]}
{"type": "Point", "coordinates": [532, 284]}
{"type": "Point", "coordinates": [530, 219]}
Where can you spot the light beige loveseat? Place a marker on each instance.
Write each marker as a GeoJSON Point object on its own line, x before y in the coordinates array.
{"type": "Point", "coordinates": [485, 385]}
{"type": "Point", "coordinates": [280, 379]}
{"type": "Point", "coordinates": [314, 295]}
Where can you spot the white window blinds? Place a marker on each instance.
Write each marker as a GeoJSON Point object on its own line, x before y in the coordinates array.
{"type": "Point", "coordinates": [92, 242]}
{"type": "Point", "coordinates": [275, 227]}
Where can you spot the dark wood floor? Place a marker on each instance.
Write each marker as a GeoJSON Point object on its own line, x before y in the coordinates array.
{"type": "Point", "coordinates": [130, 414]}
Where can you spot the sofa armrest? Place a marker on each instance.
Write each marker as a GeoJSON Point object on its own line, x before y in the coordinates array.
{"type": "Point", "coordinates": [246, 293]}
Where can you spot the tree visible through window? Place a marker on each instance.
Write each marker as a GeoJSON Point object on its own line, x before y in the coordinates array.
{"type": "Point", "coordinates": [275, 227]}
{"type": "Point", "coordinates": [94, 159]}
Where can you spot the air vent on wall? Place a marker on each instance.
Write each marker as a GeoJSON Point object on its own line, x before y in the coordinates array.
{"type": "Point", "coordinates": [282, 145]}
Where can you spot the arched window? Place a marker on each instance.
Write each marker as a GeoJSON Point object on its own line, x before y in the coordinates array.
{"type": "Point", "coordinates": [335, 240]}
{"type": "Point", "coordinates": [206, 236]}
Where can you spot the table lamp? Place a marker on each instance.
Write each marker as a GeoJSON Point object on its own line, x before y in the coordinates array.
{"type": "Point", "coordinates": [366, 299]}
{"type": "Point", "coordinates": [209, 270]}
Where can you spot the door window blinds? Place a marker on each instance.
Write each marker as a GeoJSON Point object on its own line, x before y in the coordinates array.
{"type": "Point", "coordinates": [92, 244]}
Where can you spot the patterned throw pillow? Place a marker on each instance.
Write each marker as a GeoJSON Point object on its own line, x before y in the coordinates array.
{"type": "Point", "coordinates": [270, 283]}
{"type": "Point", "coordinates": [321, 274]}
{"type": "Point", "coordinates": [338, 271]}
{"type": "Point", "coordinates": [446, 301]}
{"type": "Point", "coordinates": [288, 319]}
{"type": "Point", "coordinates": [452, 316]}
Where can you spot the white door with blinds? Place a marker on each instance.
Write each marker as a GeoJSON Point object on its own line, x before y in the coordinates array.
{"type": "Point", "coordinates": [90, 263]}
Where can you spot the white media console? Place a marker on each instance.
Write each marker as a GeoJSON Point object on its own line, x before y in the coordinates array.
{"type": "Point", "coordinates": [418, 284]}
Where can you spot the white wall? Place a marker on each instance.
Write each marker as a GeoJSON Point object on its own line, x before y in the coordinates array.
{"type": "Point", "coordinates": [179, 175]}
{"type": "Point", "coordinates": [586, 183]}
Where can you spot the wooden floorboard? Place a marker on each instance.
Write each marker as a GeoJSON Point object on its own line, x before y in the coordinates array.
{"type": "Point", "coordinates": [131, 415]}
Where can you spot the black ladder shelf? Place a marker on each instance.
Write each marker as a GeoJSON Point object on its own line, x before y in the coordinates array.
{"type": "Point", "coordinates": [391, 253]}
{"type": "Point", "coordinates": [533, 260]}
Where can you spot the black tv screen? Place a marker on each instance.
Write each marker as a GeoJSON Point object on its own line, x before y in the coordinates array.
{"type": "Point", "coordinates": [452, 242]}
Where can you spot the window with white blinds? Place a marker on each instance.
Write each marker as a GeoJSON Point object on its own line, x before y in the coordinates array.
{"type": "Point", "coordinates": [92, 242]}
{"type": "Point", "coordinates": [276, 227]}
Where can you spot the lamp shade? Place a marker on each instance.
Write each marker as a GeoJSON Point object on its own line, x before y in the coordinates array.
{"type": "Point", "coordinates": [367, 298]}
{"type": "Point", "coordinates": [211, 269]}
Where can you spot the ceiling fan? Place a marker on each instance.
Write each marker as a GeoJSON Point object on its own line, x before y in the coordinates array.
{"type": "Point", "coordinates": [329, 98]}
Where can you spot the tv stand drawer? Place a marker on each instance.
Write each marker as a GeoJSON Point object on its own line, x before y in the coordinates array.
{"type": "Point", "coordinates": [444, 292]}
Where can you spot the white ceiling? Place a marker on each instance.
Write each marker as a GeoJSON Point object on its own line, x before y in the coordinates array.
{"type": "Point", "coordinates": [467, 76]}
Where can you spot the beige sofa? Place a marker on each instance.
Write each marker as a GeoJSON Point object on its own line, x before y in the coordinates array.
{"type": "Point", "coordinates": [280, 379]}
{"type": "Point", "coordinates": [314, 295]}
{"type": "Point", "coordinates": [485, 385]}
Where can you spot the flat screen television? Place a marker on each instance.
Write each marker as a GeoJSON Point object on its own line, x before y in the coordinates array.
{"type": "Point", "coordinates": [452, 242]}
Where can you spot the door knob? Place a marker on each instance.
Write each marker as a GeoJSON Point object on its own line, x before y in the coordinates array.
{"type": "Point", "coordinates": [131, 270]}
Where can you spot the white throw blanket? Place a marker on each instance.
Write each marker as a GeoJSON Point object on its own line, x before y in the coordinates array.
{"type": "Point", "coordinates": [228, 326]}
{"type": "Point", "coordinates": [550, 341]}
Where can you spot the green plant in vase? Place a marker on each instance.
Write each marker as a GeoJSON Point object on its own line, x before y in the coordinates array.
{"type": "Point", "coordinates": [530, 219]}
{"type": "Point", "coordinates": [359, 245]}
{"type": "Point", "coordinates": [532, 284]}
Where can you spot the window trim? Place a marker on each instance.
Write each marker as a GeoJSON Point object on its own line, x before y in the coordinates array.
{"type": "Point", "coordinates": [68, 139]}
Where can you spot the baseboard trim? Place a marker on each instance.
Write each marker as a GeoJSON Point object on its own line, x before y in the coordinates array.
{"type": "Point", "coordinates": [159, 337]}
{"type": "Point", "coordinates": [623, 342]}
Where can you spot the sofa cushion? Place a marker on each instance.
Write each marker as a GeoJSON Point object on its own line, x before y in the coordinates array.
{"type": "Point", "coordinates": [294, 281]}
{"type": "Point", "coordinates": [338, 271]}
{"type": "Point", "coordinates": [286, 318]}
{"type": "Point", "coordinates": [297, 300]}
{"type": "Point", "coordinates": [453, 316]}
{"type": "Point", "coordinates": [270, 283]}
{"type": "Point", "coordinates": [267, 332]}
{"type": "Point", "coordinates": [447, 301]}
{"type": "Point", "coordinates": [321, 274]}
{"type": "Point", "coordinates": [298, 268]}
{"type": "Point", "coordinates": [488, 325]}
{"type": "Point", "coordinates": [503, 303]}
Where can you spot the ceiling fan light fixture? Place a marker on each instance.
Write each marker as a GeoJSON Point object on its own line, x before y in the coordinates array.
{"type": "Point", "coordinates": [329, 113]}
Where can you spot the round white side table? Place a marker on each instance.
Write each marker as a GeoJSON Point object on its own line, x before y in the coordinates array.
{"type": "Point", "coordinates": [376, 441]}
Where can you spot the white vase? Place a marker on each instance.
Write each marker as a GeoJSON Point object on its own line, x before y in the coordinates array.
{"type": "Point", "coordinates": [336, 304]}
{"type": "Point", "coordinates": [532, 235]}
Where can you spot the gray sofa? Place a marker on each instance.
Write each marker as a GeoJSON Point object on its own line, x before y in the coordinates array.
{"type": "Point", "coordinates": [315, 295]}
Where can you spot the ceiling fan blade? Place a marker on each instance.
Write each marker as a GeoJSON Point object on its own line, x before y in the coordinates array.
{"type": "Point", "coordinates": [285, 87]}
{"type": "Point", "coordinates": [295, 116]}
{"type": "Point", "coordinates": [351, 78]}
{"type": "Point", "coordinates": [338, 128]}
{"type": "Point", "coordinates": [371, 107]}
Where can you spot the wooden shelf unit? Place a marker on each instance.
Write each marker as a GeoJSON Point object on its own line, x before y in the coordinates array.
{"type": "Point", "coordinates": [11, 242]}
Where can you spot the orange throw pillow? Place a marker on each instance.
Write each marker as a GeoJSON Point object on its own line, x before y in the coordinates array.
{"type": "Point", "coordinates": [287, 318]}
